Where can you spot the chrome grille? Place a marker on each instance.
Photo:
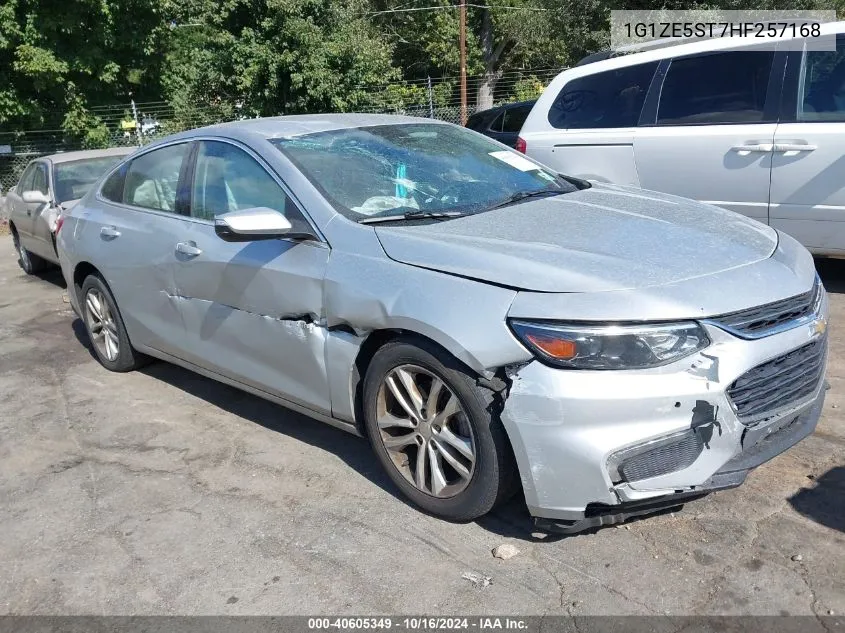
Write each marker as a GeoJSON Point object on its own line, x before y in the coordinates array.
{"type": "Point", "coordinates": [767, 319]}
{"type": "Point", "coordinates": [778, 384]}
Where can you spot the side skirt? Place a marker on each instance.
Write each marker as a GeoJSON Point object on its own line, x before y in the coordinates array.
{"type": "Point", "coordinates": [339, 424]}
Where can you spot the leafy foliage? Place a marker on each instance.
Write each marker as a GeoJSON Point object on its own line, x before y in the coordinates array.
{"type": "Point", "coordinates": [223, 59]}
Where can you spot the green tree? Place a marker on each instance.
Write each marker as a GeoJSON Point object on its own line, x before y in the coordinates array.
{"type": "Point", "coordinates": [270, 57]}
{"type": "Point", "coordinates": [59, 59]}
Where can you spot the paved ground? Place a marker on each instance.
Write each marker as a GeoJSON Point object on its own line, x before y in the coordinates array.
{"type": "Point", "coordinates": [161, 492]}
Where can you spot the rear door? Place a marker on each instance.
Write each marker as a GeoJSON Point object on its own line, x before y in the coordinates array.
{"type": "Point", "coordinates": [253, 311]}
{"type": "Point", "coordinates": [711, 134]}
{"type": "Point", "coordinates": [131, 233]}
{"type": "Point", "coordinates": [808, 172]}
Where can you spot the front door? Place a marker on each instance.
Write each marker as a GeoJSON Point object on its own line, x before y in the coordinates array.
{"type": "Point", "coordinates": [253, 311]}
{"type": "Point", "coordinates": [712, 135]}
{"type": "Point", "coordinates": [808, 187]}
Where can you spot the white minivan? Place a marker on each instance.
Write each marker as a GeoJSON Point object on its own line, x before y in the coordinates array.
{"type": "Point", "coordinates": [751, 129]}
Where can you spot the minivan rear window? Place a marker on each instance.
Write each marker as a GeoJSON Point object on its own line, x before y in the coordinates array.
{"type": "Point", "coordinates": [728, 87]}
{"type": "Point", "coordinates": [609, 99]}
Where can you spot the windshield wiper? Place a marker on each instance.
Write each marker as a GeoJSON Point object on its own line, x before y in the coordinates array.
{"type": "Point", "coordinates": [416, 214]}
{"type": "Point", "coordinates": [525, 195]}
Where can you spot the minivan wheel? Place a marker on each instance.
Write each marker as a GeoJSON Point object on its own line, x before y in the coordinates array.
{"type": "Point", "coordinates": [436, 431]}
{"type": "Point", "coordinates": [105, 327]}
{"type": "Point", "coordinates": [30, 263]}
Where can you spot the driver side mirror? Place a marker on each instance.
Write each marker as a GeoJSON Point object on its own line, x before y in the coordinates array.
{"type": "Point", "coordinates": [247, 225]}
{"type": "Point", "coordinates": [35, 197]}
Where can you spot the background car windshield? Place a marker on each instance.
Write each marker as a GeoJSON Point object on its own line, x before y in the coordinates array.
{"type": "Point", "coordinates": [394, 169]}
{"type": "Point", "coordinates": [73, 180]}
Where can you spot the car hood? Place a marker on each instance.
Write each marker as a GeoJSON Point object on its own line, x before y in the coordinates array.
{"type": "Point", "coordinates": [598, 239]}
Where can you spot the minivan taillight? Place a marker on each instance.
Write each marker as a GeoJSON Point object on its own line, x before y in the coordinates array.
{"type": "Point", "coordinates": [59, 221]}
{"type": "Point", "coordinates": [521, 145]}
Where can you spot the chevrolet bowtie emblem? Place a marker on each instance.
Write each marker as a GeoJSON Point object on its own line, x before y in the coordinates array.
{"type": "Point", "coordinates": [818, 327]}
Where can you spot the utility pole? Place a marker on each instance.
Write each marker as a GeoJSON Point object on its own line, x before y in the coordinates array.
{"type": "Point", "coordinates": [463, 45]}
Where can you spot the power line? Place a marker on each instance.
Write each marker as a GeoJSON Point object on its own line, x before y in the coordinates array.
{"type": "Point", "coordinates": [455, 6]}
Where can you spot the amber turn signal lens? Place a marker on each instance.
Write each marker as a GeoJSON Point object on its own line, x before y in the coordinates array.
{"type": "Point", "coordinates": [554, 347]}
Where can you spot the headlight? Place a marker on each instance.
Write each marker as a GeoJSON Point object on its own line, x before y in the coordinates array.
{"type": "Point", "coordinates": [611, 346]}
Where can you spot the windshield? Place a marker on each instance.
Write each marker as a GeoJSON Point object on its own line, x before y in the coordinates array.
{"type": "Point", "coordinates": [415, 169]}
{"type": "Point", "coordinates": [73, 180]}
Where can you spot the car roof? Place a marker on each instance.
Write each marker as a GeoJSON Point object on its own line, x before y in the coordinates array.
{"type": "Point", "coordinates": [676, 47]}
{"type": "Point", "coordinates": [505, 106]}
{"type": "Point", "coordinates": [67, 157]}
{"type": "Point", "coordinates": [298, 124]}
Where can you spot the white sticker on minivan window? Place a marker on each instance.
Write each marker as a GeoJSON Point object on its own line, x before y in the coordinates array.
{"type": "Point", "coordinates": [514, 160]}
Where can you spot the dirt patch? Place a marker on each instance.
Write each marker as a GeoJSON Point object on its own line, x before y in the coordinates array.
{"type": "Point", "coordinates": [4, 228]}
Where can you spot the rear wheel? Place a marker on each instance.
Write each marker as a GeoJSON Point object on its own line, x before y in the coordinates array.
{"type": "Point", "coordinates": [105, 327]}
{"type": "Point", "coordinates": [30, 262]}
{"type": "Point", "coordinates": [436, 431]}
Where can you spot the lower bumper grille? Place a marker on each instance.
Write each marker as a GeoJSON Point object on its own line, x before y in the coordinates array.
{"type": "Point", "coordinates": [778, 384]}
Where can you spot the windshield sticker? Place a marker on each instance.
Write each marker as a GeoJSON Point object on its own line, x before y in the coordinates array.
{"type": "Point", "coordinates": [515, 160]}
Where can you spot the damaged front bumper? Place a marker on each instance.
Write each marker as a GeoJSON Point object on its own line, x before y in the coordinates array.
{"type": "Point", "coordinates": [598, 447]}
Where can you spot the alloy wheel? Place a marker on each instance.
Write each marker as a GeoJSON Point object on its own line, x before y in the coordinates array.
{"type": "Point", "coordinates": [101, 325]}
{"type": "Point", "coordinates": [425, 431]}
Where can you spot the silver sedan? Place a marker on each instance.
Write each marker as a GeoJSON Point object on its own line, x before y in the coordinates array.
{"type": "Point", "coordinates": [488, 324]}
{"type": "Point", "coordinates": [49, 186]}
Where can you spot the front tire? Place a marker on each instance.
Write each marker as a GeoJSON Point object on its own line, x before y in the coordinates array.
{"type": "Point", "coordinates": [29, 262]}
{"type": "Point", "coordinates": [105, 327]}
{"type": "Point", "coordinates": [436, 432]}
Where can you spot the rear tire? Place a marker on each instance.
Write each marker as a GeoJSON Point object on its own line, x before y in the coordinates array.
{"type": "Point", "coordinates": [29, 262]}
{"type": "Point", "coordinates": [448, 452]}
{"type": "Point", "coordinates": [105, 327]}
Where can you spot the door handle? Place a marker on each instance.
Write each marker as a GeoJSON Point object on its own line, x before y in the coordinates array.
{"type": "Point", "coordinates": [744, 150]}
{"type": "Point", "coordinates": [188, 248]}
{"type": "Point", "coordinates": [794, 147]}
{"type": "Point", "coordinates": [109, 233]}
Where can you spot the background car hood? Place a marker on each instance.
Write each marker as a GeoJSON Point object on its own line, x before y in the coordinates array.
{"type": "Point", "coordinates": [598, 239]}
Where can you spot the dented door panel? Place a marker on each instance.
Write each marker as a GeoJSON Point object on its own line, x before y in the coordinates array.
{"type": "Point", "coordinates": [253, 312]}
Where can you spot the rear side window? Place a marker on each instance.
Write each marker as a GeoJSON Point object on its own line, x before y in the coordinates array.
{"type": "Point", "coordinates": [822, 96]}
{"type": "Point", "coordinates": [514, 118]}
{"type": "Point", "coordinates": [112, 188]}
{"type": "Point", "coordinates": [496, 124]}
{"type": "Point", "coordinates": [609, 99]}
{"type": "Point", "coordinates": [152, 179]}
{"type": "Point", "coordinates": [717, 88]}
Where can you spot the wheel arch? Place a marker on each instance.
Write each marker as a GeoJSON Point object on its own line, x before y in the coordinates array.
{"type": "Point", "coordinates": [82, 271]}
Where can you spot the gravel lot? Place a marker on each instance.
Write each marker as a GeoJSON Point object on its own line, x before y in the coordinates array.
{"type": "Point", "coordinates": [162, 492]}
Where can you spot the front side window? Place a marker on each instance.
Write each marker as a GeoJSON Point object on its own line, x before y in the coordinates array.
{"type": "Point", "coordinates": [226, 178]}
{"type": "Point", "coordinates": [25, 183]}
{"type": "Point", "coordinates": [609, 99]}
{"type": "Point", "coordinates": [822, 92]}
{"type": "Point", "coordinates": [73, 180]}
{"type": "Point", "coordinates": [420, 168]}
{"type": "Point", "coordinates": [39, 178]}
{"type": "Point", "coordinates": [716, 88]}
{"type": "Point", "coordinates": [152, 178]}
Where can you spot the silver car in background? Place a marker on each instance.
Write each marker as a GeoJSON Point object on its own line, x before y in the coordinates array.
{"type": "Point", "coordinates": [488, 324]}
{"type": "Point", "coordinates": [48, 186]}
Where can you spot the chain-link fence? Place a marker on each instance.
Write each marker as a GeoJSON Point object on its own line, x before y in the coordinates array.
{"type": "Point", "coordinates": [140, 123]}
